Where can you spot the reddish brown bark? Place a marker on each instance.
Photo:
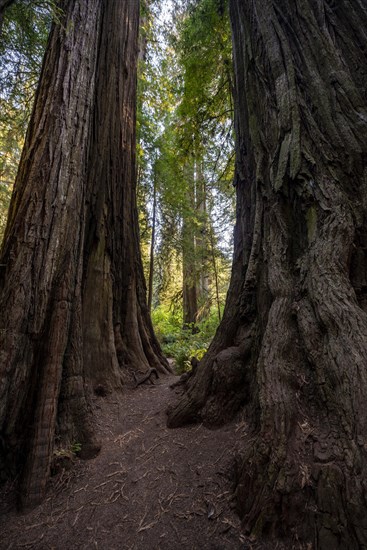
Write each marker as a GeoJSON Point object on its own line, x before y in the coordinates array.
{"type": "Point", "coordinates": [290, 354]}
{"type": "Point", "coordinates": [73, 309]}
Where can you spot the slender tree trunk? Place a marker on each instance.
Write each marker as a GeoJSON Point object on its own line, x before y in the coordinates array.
{"type": "Point", "coordinates": [190, 299]}
{"type": "Point", "coordinates": [291, 350]}
{"type": "Point", "coordinates": [215, 271]}
{"type": "Point", "coordinates": [202, 228]}
{"type": "Point", "coordinates": [73, 310]}
{"type": "Point", "coordinates": [152, 243]}
{"type": "Point", "coordinates": [189, 267]}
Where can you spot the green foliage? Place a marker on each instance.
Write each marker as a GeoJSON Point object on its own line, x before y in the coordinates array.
{"type": "Point", "coordinates": [23, 41]}
{"type": "Point", "coordinates": [183, 344]}
{"type": "Point", "coordinates": [70, 452]}
{"type": "Point", "coordinates": [186, 147]}
{"type": "Point", "coordinates": [76, 447]}
{"type": "Point", "coordinates": [22, 45]}
{"type": "Point", "coordinates": [204, 48]}
{"type": "Point", "coordinates": [64, 457]}
{"type": "Point", "coordinates": [5, 195]}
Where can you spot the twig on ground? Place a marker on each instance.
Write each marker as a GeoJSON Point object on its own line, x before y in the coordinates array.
{"type": "Point", "coordinates": [141, 477]}
{"type": "Point", "coordinates": [220, 458]}
{"type": "Point", "coordinates": [148, 451]}
{"type": "Point", "coordinates": [32, 543]}
{"type": "Point", "coordinates": [149, 526]}
{"type": "Point", "coordinates": [81, 489]}
{"type": "Point", "coordinates": [175, 530]}
{"type": "Point", "coordinates": [116, 473]}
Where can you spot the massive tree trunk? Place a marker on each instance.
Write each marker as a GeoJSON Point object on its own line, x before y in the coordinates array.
{"type": "Point", "coordinates": [291, 352]}
{"type": "Point", "coordinates": [112, 251]}
{"type": "Point", "coordinates": [73, 309]}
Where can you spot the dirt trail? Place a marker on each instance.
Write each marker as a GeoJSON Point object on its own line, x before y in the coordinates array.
{"type": "Point", "coordinates": [149, 488]}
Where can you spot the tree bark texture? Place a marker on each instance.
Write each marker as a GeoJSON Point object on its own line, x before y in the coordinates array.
{"type": "Point", "coordinates": [291, 351]}
{"type": "Point", "coordinates": [72, 295]}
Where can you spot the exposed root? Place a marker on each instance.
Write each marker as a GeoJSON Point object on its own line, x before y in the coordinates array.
{"type": "Point", "coordinates": [146, 377]}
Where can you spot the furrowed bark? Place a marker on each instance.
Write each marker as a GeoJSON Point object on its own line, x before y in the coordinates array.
{"type": "Point", "coordinates": [116, 255]}
{"type": "Point", "coordinates": [73, 313]}
{"type": "Point", "coordinates": [291, 351]}
{"type": "Point", "coordinates": [40, 287]}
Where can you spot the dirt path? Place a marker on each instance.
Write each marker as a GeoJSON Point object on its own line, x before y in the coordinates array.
{"type": "Point", "coordinates": [149, 488]}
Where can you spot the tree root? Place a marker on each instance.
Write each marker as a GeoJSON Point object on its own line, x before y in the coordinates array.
{"type": "Point", "coordinates": [146, 377]}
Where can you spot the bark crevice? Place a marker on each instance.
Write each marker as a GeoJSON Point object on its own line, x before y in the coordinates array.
{"type": "Point", "coordinates": [297, 294]}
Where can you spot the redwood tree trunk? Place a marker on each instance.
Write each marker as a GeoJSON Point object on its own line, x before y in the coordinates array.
{"type": "Point", "coordinates": [189, 277]}
{"type": "Point", "coordinates": [72, 296]}
{"type": "Point", "coordinates": [112, 240]}
{"type": "Point", "coordinates": [189, 253]}
{"type": "Point", "coordinates": [291, 351]}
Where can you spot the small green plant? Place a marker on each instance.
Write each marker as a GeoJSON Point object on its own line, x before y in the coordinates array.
{"type": "Point", "coordinates": [76, 447]}
{"type": "Point", "coordinates": [68, 453]}
{"type": "Point", "coordinates": [64, 458]}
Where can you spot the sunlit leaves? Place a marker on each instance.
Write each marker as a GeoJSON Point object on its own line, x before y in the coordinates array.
{"type": "Point", "coordinates": [23, 40]}
{"type": "Point", "coordinates": [185, 127]}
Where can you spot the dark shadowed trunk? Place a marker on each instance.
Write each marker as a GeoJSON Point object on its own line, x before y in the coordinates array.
{"type": "Point", "coordinates": [73, 310]}
{"type": "Point", "coordinates": [189, 267]}
{"type": "Point", "coordinates": [291, 351]}
{"type": "Point", "coordinates": [189, 277]}
{"type": "Point", "coordinates": [203, 228]}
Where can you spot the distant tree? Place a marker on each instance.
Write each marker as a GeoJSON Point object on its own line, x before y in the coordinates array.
{"type": "Point", "coordinates": [73, 312]}
{"type": "Point", "coordinates": [292, 347]}
{"type": "Point", "coordinates": [185, 122]}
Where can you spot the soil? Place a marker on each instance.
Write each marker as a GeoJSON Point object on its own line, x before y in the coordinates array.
{"type": "Point", "coordinates": [149, 488]}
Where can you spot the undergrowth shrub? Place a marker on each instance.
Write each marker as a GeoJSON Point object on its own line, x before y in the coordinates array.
{"type": "Point", "coordinates": [182, 344]}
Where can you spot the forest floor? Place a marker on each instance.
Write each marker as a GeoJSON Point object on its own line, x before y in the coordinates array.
{"type": "Point", "coordinates": [149, 488]}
